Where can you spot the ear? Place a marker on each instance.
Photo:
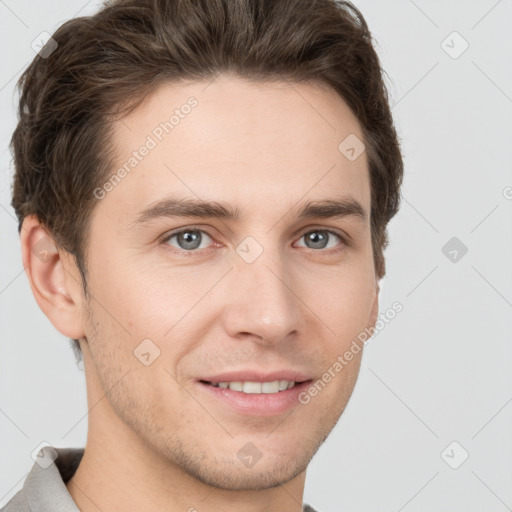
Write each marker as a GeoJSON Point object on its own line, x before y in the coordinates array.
{"type": "Point", "coordinates": [53, 277]}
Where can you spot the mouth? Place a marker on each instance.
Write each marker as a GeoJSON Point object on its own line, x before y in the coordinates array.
{"type": "Point", "coordinates": [257, 398]}
{"type": "Point", "coordinates": [255, 387]}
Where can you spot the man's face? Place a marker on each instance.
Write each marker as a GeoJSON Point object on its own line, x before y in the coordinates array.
{"type": "Point", "coordinates": [268, 296]}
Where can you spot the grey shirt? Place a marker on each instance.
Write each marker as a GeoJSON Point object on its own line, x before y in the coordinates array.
{"type": "Point", "coordinates": [44, 489]}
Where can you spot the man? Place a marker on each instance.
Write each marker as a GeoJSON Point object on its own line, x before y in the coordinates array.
{"type": "Point", "coordinates": [203, 191]}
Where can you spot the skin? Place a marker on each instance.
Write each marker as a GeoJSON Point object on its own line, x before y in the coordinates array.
{"type": "Point", "coordinates": [155, 439]}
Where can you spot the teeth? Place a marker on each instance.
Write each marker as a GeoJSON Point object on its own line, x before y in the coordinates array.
{"type": "Point", "coordinates": [283, 384]}
{"type": "Point", "coordinates": [270, 387]}
{"type": "Point", "coordinates": [252, 387]}
{"type": "Point", "coordinates": [257, 387]}
{"type": "Point", "coordinates": [235, 386]}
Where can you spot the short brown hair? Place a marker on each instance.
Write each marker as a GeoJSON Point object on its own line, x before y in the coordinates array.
{"type": "Point", "coordinates": [107, 63]}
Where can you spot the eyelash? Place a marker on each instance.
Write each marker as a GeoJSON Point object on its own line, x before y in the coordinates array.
{"type": "Point", "coordinates": [193, 252]}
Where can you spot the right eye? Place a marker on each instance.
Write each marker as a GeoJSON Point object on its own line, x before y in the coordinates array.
{"type": "Point", "coordinates": [187, 240]}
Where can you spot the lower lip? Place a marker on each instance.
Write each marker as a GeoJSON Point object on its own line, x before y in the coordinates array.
{"type": "Point", "coordinates": [257, 404]}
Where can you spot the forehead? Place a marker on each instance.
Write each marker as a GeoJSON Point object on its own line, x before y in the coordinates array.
{"type": "Point", "coordinates": [239, 141]}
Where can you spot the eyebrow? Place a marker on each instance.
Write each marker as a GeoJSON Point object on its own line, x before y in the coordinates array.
{"type": "Point", "coordinates": [196, 208]}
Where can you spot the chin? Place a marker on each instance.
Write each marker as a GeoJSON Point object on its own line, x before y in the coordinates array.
{"type": "Point", "coordinates": [270, 469]}
{"type": "Point", "coordinates": [239, 478]}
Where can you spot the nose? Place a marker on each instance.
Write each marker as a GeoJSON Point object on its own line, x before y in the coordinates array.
{"type": "Point", "coordinates": [261, 302]}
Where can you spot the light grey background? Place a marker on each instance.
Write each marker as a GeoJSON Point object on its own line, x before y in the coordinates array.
{"type": "Point", "coordinates": [441, 370]}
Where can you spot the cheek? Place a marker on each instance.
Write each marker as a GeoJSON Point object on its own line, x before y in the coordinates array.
{"type": "Point", "coordinates": [342, 298]}
{"type": "Point", "coordinates": [122, 309]}
{"type": "Point", "coordinates": [165, 304]}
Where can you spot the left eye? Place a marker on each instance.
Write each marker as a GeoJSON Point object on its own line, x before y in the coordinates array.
{"type": "Point", "coordinates": [319, 238]}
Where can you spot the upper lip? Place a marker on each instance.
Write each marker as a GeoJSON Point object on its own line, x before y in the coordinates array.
{"type": "Point", "coordinates": [257, 376]}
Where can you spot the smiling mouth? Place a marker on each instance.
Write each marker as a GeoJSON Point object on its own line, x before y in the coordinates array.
{"type": "Point", "coordinates": [252, 387]}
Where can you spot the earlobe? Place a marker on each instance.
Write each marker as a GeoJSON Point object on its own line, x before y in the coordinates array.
{"type": "Point", "coordinates": [52, 278]}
